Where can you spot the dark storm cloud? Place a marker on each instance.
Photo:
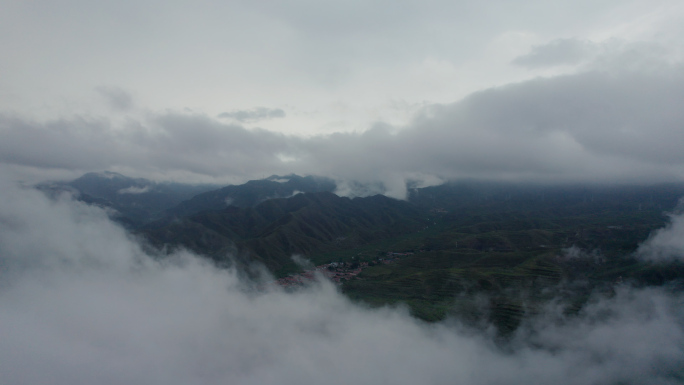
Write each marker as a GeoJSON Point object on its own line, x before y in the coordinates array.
{"type": "Point", "coordinates": [557, 52]}
{"type": "Point", "coordinates": [81, 302]}
{"type": "Point", "coordinates": [256, 114]}
{"type": "Point", "coordinates": [621, 126]}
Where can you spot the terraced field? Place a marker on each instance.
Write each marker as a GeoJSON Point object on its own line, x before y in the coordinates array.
{"type": "Point", "coordinates": [498, 263]}
{"type": "Point", "coordinates": [480, 252]}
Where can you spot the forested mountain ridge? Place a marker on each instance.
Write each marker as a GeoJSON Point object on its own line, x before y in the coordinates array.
{"type": "Point", "coordinates": [133, 201]}
{"type": "Point", "coordinates": [252, 193]}
{"type": "Point", "coordinates": [519, 244]}
{"type": "Point", "coordinates": [274, 230]}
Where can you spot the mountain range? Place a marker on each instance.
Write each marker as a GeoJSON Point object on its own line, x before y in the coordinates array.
{"type": "Point", "coordinates": [252, 193]}
{"type": "Point", "coordinates": [133, 201]}
{"type": "Point", "coordinates": [455, 241]}
{"type": "Point", "coordinates": [274, 230]}
{"type": "Point", "coordinates": [138, 201]}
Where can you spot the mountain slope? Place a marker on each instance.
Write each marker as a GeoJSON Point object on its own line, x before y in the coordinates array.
{"type": "Point", "coordinates": [136, 200]}
{"type": "Point", "coordinates": [252, 193]}
{"type": "Point", "coordinates": [274, 230]}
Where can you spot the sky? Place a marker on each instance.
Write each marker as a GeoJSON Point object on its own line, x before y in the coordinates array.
{"type": "Point", "coordinates": [371, 91]}
{"type": "Point", "coordinates": [82, 302]}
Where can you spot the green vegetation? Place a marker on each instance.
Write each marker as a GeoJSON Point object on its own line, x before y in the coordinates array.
{"type": "Point", "coordinates": [479, 251]}
{"type": "Point", "coordinates": [513, 255]}
{"type": "Point", "coordinates": [273, 231]}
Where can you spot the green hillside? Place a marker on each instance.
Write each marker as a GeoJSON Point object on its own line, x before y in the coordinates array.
{"type": "Point", "coordinates": [252, 193]}
{"type": "Point", "coordinates": [133, 201]}
{"type": "Point", "coordinates": [519, 255]}
{"type": "Point", "coordinates": [274, 230]}
{"type": "Point", "coordinates": [477, 251]}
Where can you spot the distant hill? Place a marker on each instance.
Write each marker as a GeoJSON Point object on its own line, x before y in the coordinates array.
{"type": "Point", "coordinates": [136, 200]}
{"type": "Point", "coordinates": [274, 230]}
{"type": "Point", "coordinates": [453, 196]}
{"type": "Point", "coordinates": [252, 193]}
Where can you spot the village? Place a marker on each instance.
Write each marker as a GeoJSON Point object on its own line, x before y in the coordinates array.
{"type": "Point", "coordinates": [338, 272]}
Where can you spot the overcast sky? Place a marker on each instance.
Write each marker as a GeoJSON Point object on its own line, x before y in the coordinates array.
{"type": "Point", "coordinates": [370, 91]}
{"type": "Point", "coordinates": [374, 90]}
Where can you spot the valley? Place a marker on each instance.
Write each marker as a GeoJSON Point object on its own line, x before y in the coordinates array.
{"type": "Point", "coordinates": [481, 252]}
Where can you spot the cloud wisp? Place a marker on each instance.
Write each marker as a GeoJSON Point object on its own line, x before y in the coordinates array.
{"type": "Point", "coordinates": [81, 302]}
{"type": "Point", "coordinates": [116, 97]}
{"type": "Point", "coordinates": [254, 115]}
{"type": "Point", "coordinates": [134, 190]}
{"type": "Point", "coordinates": [556, 53]}
{"type": "Point", "coordinates": [666, 244]}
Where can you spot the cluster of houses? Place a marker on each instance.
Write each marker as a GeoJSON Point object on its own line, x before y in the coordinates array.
{"type": "Point", "coordinates": [393, 254]}
{"type": "Point", "coordinates": [335, 271]}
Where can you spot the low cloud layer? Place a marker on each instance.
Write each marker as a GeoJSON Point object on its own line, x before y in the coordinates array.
{"type": "Point", "coordinates": [134, 190]}
{"type": "Point", "coordinates": [81, 302]}
{"type": "Point", "coordinates": [623, 126]}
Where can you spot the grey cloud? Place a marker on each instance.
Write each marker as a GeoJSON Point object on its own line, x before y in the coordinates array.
{"type": "Point", "coordinates": [69, 144]}
{"type": "Point", "coordinates": [81, 302]}
{"type": "Point", "coordinates": [622, 126]}
{"type": "Point", "coordinates": [557, 52]}
{"type": "Point", "coordinates": [594, 126]}
{"type": "Point", "coordinates": [116, 97]}
{"type": "Point", "coordinates": [613, 55]}
{"type": "Point", "coordinates": [634, 56]}
{"type": "Point", "coordinates": [170, 142]}
{"type": "Point", "coordinates": [253, 115]}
